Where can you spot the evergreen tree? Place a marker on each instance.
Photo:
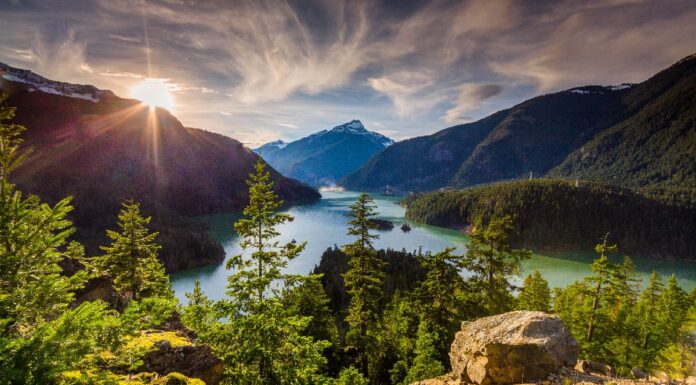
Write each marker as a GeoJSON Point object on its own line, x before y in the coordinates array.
{"type": "Point", "coordinates": [199, 314]}
{"type": "Point", "coordinates": [425, 364]}
{"type": "Point", "coordinates": [350, 376]}
{"type": "Point", "coordinates": [131, 259]}
{"type": "Point", "coordinates": [40, 337]}
{"type": "Point", "coordinates": [647, 335]}
{"type": "Point", "coordinates": [492, 261]}
{"type": "Point", "coordinates": [259, 342]}
{"type": "Point", "coordinates": [534, 293]}
{"type": "Point", "coordinates": [363, 280]}
{"type": "Point", "coordinates": [443, 298]}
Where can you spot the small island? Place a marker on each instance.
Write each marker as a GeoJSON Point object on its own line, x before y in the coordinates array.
{"type": "Point", "coordinates": [381, 224]}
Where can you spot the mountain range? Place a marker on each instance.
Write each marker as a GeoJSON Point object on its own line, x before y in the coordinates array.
{"type": "Point", "coordinates": [102, 150]}
{"type": "Point", "coordinates": [641, 136]}
{"type": "Point", "coordinates": [325, 157]}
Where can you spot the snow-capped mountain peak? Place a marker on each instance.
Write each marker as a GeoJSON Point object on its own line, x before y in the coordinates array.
{"type": "Point", "coordinates": [356, 127]}
{"type": "Point", "coordinates": [41, 84]}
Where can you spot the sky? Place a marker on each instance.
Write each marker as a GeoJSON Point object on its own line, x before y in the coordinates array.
{"type": "Point", "coordinates": [264, 70]}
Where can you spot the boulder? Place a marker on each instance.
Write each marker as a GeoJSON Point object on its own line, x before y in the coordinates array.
{"type": "Point", "coordinates": [196, 361]}
{"type": "Point", "coordinates": [510, 348]}
{"type": "Point", "coordinates": [586, 366]}
{"type": "Point", "coordinates": [100, 288]}
{"type": "Point", "coordinates": [638, 374]}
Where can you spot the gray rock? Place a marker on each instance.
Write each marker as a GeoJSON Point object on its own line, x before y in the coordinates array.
{"type": "Point", "coordinates": [510, 348]}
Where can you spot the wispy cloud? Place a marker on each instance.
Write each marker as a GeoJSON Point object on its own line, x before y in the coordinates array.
{"type": "Point", "coordinates": [412, 66]}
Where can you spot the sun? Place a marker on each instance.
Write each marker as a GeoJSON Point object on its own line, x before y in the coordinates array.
{"type": "Point", "coordinates": [154, 93]}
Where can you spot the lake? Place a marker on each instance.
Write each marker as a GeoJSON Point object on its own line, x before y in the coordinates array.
{"type": "Point", "coordinates": [323, 224]}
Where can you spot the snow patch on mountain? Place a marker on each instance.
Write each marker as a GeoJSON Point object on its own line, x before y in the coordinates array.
{"type": "Point", "coordinates": [41, 84]}
{"type": "Point", "coordinates": [355, 127]}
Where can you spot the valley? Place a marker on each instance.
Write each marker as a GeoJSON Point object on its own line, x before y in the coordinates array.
{"type": "Point", "coordinates": [323, 225]}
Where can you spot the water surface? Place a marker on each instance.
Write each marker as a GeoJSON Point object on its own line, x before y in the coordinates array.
{"type": "Point", "coordinates": [323, 224]}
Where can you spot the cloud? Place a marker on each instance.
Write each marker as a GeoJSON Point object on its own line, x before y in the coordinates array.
{"type": "Point", "coordinates": [412, 66]}
{"type": "Point", "coordinates": [470, 98]}
{"type": "Point", "coordinates": [411, 92]}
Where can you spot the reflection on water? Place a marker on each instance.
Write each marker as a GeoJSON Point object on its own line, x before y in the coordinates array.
{"type": "Point", "coordinates": [323, 225]}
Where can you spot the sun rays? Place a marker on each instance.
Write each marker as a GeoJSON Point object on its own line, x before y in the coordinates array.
{"type": "Point", "coordinates": [154, 93]}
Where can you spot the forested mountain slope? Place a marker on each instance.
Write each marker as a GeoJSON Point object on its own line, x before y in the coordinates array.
{"type": "Point", "coordinates": [654, 149]}
{"type": "Point", "coordinates": [103, 150]}
{"type": "Point", "coordinates": [559, 215]}
{"type": "Point", "coordinates": [629, 135]}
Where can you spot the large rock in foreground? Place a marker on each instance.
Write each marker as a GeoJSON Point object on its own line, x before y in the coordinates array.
{"type": "Point", "coordinates": [515, 347]}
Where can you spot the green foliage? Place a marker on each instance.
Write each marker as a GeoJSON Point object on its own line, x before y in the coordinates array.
{"type": "Point", "coordinates": [350, 376]}
{"type": "Point", "coordinates": [364, 280]}
{"type": "Point", "coordinates": [259, 340]}
{"type": "Point", "coordinates": [617, 323]}
{"type": "Point", "coordinates": [444, 299]}
{"type": "Point", "coordinates": [131, 259]}
{"type": "Point", "coordinates": [554, 215]}
{"type": "Point", "coordinates": [492, 261]}
{"type": "Point", "coordinates": [534, 293]}
{"type": "Point", "coordinates": [66, 343]}
{"type": "Point", "coordinates": [425, 364]}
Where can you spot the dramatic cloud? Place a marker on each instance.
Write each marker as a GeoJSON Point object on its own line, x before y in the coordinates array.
{"type": "Point", "coordinates": [470, 98]}
{"type": "Point", "coordinates": [261, 70]}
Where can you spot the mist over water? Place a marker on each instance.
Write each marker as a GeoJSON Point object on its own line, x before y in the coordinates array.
{"type": "Point", "coordinates": [323, 224]}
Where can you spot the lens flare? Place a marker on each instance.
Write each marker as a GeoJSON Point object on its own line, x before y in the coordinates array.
{"type": "Point", "coordinates": [154, 93]}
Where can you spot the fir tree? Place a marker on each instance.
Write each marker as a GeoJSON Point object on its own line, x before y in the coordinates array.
{"type": "Point", "coordinates": [259, 342]}
{"type": "Point", "coordinates": [492, 261]}
{"type": "Point", "coordinates": [425, 364]}
{"type": "Point", "coordinates": [534, 293]}
{"type": "Point", "coordinates": [131, 259]}
{"type": "Point", "coordinates": [363, 280]}
{"type": "Point", "coordinates": [443, 298]}
{"type": "Point", "coordinates": [40, 337]}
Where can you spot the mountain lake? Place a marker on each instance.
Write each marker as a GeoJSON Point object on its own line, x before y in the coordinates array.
{"type": "Point", "coordinates": [323, 224]}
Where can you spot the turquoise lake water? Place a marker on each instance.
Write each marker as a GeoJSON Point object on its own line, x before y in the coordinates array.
{"type": "Point", "coordinates": [323, 224]}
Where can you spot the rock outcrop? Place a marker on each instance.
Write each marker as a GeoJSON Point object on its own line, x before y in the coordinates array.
{"type": "Point", "coordinates": [196, 361]}
{"type": "Point", "coordinates": [515, 347]}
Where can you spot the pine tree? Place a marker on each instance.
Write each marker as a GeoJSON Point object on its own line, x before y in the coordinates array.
{"type": "Point", "coordinates": [259, 342]}
{"type": "Point", "coordinates": [647, 336]}
{"type": "Point", "coordinates": [33, 235]}
{"type": "Point", "coordinates": [443, 298]}
{"type": "Point", "coordinates": [363, 280]}
{"type": "Point", "coordinates": [492, 261]}
{"type": "Point", "coordinates": [425, 364]}
{"type": "Point", "coordinates": [40, 337]}
{"type": "Point", "coordinates": [534, 294]}
{"type": "Point", "coordinates": [131, 259]}
{"type": "Point", "coordinates": [199, 313]}
{"type": "Point", "coordinates": [601, 268]}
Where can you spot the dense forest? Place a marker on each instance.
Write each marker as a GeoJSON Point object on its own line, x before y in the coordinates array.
{"type": "Point", "coordinates": [364, 316]}
{"type": "Point", "coordinates": [564, 215]}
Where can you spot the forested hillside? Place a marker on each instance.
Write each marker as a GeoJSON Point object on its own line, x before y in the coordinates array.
{"type": "Point", "coordinates": [102, 152]}
{"type": "Point", "coordinates": [653, 150]}
{"type": "Point", "coordinates": [615, 135]}
{"type": "Point", "coordinates": [560, 215]}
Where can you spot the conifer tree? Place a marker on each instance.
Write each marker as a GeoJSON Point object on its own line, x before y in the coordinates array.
{"type": "Point", "coordinates": [363, 279]}
{"type": "Point", "coordinates": [443, 298]}
{"type": "Point", "coordinates": [131, 259]}
{"type": "Point", "coordinates": [259, 342]}
{"type": "Point", "coordinates": [33, 235]}
{"type": "Point", "coordinates": [425, 363]}
{"type": "Point", "coordinates": [40, 337]}
{"type": "Point", "coordinates": [534, 293]}
{"type": "Point", "coordinates": [492, 261]}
